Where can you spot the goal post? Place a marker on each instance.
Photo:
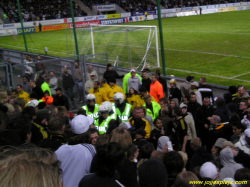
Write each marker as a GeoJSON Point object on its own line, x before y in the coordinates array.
{"type": "Point", "coordinates": [127, 45]}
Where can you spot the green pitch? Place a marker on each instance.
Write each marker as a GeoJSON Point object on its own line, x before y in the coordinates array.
{"type": "Point", "coordinates": [214, 45]}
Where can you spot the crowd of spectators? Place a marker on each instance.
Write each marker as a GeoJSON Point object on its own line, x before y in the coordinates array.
{"type": "Point", "coordinates": [35, 10]}
{"type": "Point", "coordinates": [140, 134]}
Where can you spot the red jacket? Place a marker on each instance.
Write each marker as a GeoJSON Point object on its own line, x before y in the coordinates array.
{"type": "Point", "coordinates": [156, 90]}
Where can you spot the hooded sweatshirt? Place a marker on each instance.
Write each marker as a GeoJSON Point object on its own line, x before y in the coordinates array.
{"type": "Point", "coordinates": [162, 143]}
{"type": "Point", "coordinates": [134, 82]}
{"type": "Point", "coordinates": [230, 166]}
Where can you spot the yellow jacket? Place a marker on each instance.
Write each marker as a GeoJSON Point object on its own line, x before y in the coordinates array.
{"type": "Point", "coordinates": [113, 90]}
{"type": "Point", "coordinates": [106, 87]}
{"type": "Point", "coordinates": [147, 126]}
{"type": "Point", "coordinates": [100, 95]}
{"type": "Point", "coordinates": [134, 100]}
{"type": "Point", "coordinates": [25, 96]}
{"type": "Point", "coordinates": [141, 100]}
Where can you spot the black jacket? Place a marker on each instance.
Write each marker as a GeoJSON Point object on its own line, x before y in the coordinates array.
{"type": "Point", "coordinates": [61, 101]}
{"type": "Point", "coordinates": [68, 82]}
{"type": "Point", "coordinates": [175, 93]}
{"type": "Point", "coordinates": [53, 142]}
{"type": "Point", "coordinates": [108, 75]}
{"type": "Point", "coordinates": [199, 157]}
{"type": "Point", "coordinates": [146, 83]}
{"type": "Point", "coordinates": [38, 91]}
{"type": "Point", "coordinates": [192, 107]}
{"type": "Point", "coordinates": [164, 85]}
{"type": "Point", "coordinates": [243, 158]}
{"type": "Point", "coordinates": [39, 81]}
{"type": "Point", "coordinates": [223, 112]}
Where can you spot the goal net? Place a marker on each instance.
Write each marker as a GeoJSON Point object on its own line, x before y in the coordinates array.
{"type": "Point", "coordinates": [127, 45]}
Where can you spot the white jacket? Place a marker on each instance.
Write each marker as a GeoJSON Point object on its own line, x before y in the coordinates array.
{"type": "Point", "coordinates": [191, 131]}
{"type": "Point", "coordinates": [242, 144]}
{"type": "Point", "coordinates": [246, 122]}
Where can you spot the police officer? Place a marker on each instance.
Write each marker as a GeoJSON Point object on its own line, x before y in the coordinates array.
{"type": "Point", "coordinates": [123, 109]}
{"type": "Point", "coordinates": [111, 107]}
{"type": "Point", "coordinates": [91, 107]}
{"type": "Point", "coordinates": [104, 123]}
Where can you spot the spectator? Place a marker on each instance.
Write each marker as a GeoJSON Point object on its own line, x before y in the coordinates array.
{"type": "Point", "coordinates": [222, 110]}
{"type": "Point", "coordinates": [114, 88]}
{"type": "Point", "coordinates": [77, 155]}
{"type": "Point", "coordinates": [192, 106]}
{"type": "Point", "coordinates": [230, 166]}
{"type": "Point", "coordinates": [242, 95]}
{"type": "Point", "coordinates": [94, 134]}
{"type": "Point", "coordinates": [146, 81]}
{"type": "Point", "coordinates": [157, 132]}
{"type": "Point", "coordinates": [126, 77]}
{"type": "Point", "coordinates": [53, 83]}
{"type": "Point", "coordinates": [167, 121]}
{"type": "Point", "coordinates": [56, 128]}
{"type": "Point", "coordinates": [194, 88]}
{"type": "Point", "coordinates": [91, 72]}
{"type": "Point", "coordinates": [90, 82]}
{"type": "Point", "coordinates": [40, 79]}
{"type": "Point", "coordinates": [109, 159]}
{"type": "Point", "coordinates": [25, 85]}
{"type": "Point", "coordinates": [78, 79]}
{"type": "Point", "coordinates": [200, 155]}
{"type": "Point", "coordinates": [179, 130]}
{"type": "Point", "coordinates": [143, 93]}
{"type": "Point", "coordinates": [68, 85]}
{"type": "Point", "coordinates": [110, 74]}
{"type": "Point", "coordinates": [133, 81]}
{"type": "Point", "coordinates": [60, 99]}
{"type": "Point", "coordinates": [152, 173]}
{"type": "Point", "coordinates": [138, 122]}
{"type": "Point", "coordinates": [205, 90]}
{"type": "Point", "coordinates": [156, 89]}
{"type": "Point", "coordinates": [47, 98]}
{"type": "Point", "coordinates": [246, 119]}
{"type": "Point", "coordinates": [28, 66]}
{"type": "Point", "coordinates": [91, 107]}
{"type": "Point", "coordinates": [153, 108]}
{"type": "Point", "coordinates": [242, 174]}
{"type": "Point", "coordinates": [105, 86]}
{"type": "Point", "coordinates": [244, 142]}
{"type": "Point", "coordinates": [186, 86]}
{"type": "Point", "coordinates": [140, 140]}
{"type": "Point", "coordinates": [133, 97]}
{"type": "Point", "coordinates": [99, 93]}
{"type": "Point", "coordinates": [45, 86]}
{"type": "Point", "coordinates": [40, 67]}
{"type": "Point", "coordinates": [184, 178]}
{"type": "Point", "coordinates": [217, 147]}
{"type": "Point", "coordinates": [174, 92]}
{"type": "Point", "coordinates": [35, 89]}
{"type": "Point", "coordinates": [163, 83]}
{"type": "Point", "coordinates": [238, 130]}
{"type": "Point", "coordinates": [202, 122]}
{"type": "Point", "coordinates": [22, 94]}
{"type": "Point", "coordinates": [208, 172]}
{"type": "Point", "coordinates": [243, 109]}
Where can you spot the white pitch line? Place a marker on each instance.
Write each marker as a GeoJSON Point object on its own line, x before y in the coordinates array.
{"type": "Point", "coordinates": [216, 32]}
{"type": "Point", "coordinates": [240, 75]}
{"type": "Point", "coordinates": [207, 74]}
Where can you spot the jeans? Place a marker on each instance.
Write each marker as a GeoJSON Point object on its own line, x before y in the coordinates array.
{"type": "Point", "coordinates": [67, 94]}
{"type": "Point", "coordinates": [79, 87]}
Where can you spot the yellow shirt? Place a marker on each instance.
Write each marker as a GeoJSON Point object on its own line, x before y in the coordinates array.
{"type": "Point", "coordinates": [25, 96]}
{"type": "Point", "coordinates": [134, 100]}
{"type": "Point", "coordinates": [113, 90]}
{"type": "Point", "coordinates": [141, 100]}
{"type": "Point", "coordinates": [100, 95]}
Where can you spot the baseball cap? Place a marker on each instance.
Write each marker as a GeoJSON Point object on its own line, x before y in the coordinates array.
{"type": "Point", "coordinates": [133, 70]}
{"type": "Point", "coordinates": [183, 105]}
{"type": "Point", "coordinates": [219, 142]}
{"type": "Point", "coordinates": [80, 124]}
{"type": "Point", "coordinates": [173, 81]}
{"type": "Point", "coordinates": [195, 84]}
{"type": "Point", "coordinates": [58, 88]}
{"type": "Point", "coordinates": [208, 170]}
{"type": "Point", "coordinates": [92, 74]}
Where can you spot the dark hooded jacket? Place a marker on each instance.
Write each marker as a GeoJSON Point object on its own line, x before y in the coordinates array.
{"type": "Point", "coordinates": [199, 157]}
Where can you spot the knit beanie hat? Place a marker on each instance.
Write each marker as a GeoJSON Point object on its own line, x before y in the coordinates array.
{"type": "Point", "coordinates": [113, 80]}
{"type": "Point", "coordinates": [109, 65]}
{"type": "Point", "coordinates": [153, 173]}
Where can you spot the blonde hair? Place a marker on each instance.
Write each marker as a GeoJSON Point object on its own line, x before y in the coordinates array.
{"type": "Point", "coordinates": [184, 157]}
{"type": "Point", "coordinates": [3, 95]}
{"type": "Point", "coordinates": [121, 136]}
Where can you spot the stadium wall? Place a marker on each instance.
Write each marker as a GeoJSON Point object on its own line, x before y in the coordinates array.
{"type": "Point", "coordinates": [81, 22]}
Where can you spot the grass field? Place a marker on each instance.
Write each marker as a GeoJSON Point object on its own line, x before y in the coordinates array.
{"type": "Point", "coordinates": [213, 45]}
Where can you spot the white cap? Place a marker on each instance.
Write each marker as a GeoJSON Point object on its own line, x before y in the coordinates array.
{"type": "Point", "coordinates": [183, 105]}
{"type": "Point", "coordinates": [208, 170]}
{"type": "Point", "coordinates": [91, 120]}
{"type": "Point", "coordinates": [133, 70]}
{"type": "Point", "coordinates": [80, 124]}
{"type": "Point", "coordinates": [247, 133]}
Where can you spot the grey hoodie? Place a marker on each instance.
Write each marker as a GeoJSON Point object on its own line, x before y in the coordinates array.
{"type": "Point", "coordinates": [230, 166]}
{"type": "Point", "coordinates": [134, 83]}
{"type": "Point", "coordinates": [162, 141]}
{"type": "Point", "coordinates": [176, 101]}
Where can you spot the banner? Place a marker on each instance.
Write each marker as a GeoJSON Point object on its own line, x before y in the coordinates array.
{"type": "Point", "coordinates": [227, 9]}
{"type": "Point", "coordinates": [165, 11]}
{"type": "Point", "coordinates": [187, 9]}
{"type": "Point", "coordinates": [89, 18]}
{"type": "Point", "coordinates": [11, 26]}
{"type": "Point", "coordinates": [240, 8]}
{"type": "Point", "coordinates": [26, 30]}
{"type": "Point", "coordinates": [8, 32]}
{"type": "Point", "coordinates": [69, 20]}
{"type": "Point", "coordinates": [101, 17]}
{"type": "Point", "coordinates": [230, 5]}
{"type": "Point", "coordinates": [152, 12]}
{"type": "Point", "coordinates": [209, 11]}
{"type": "Point", "coordinates": [191, 13]}
{"type": "Point", "coordinates": [53, 27]}
{"type": "Point", "coordinates": [127, 14]}
{"type": "Point", "coordinates": [105, 7]}
{"type": "Point", "coordinates": [84, 24]}
{"type": "Point", "coordinates": [112, 16]}
{"type": "Point", "coordinates": [243, 3]}
{"type": "Point", "coordinates": [114, 21]}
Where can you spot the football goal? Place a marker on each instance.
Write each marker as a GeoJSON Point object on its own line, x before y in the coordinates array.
{"type": "Point", "coordinates": [127, 45]}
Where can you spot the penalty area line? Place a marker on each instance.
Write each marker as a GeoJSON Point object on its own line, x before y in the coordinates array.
{"type": "Point", "coordinates": [230, 78]}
